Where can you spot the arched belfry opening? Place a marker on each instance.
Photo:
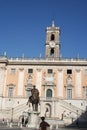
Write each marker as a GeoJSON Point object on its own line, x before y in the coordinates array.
{"type": "Point", "coordinates": [52, 52]}
{"type": "Point", "coordinates": [52, 37]}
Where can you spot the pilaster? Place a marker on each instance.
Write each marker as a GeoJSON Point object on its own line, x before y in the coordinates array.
{"type": "Point", "coordinates": [20, 82]}
{"type": "Point", "coordinates": [60, 83]}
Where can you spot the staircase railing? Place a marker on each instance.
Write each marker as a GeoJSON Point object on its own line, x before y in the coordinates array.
{"type": "Point", "coordinates": [70, 107]}
{"type": "Point", "coordinates": [15, 112]}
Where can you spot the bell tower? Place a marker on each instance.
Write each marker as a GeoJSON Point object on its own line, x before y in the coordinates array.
{"type": "Point", "coordinates": [52, 41]}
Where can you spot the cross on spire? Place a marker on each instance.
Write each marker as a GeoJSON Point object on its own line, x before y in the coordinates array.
{"type": "Point", "coordinates": [53, 23]}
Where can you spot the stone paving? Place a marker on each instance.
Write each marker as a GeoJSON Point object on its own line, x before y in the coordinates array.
{"type": "Point", "coordinates": [25, 128]}
{"type": "Point", "coordinates": [5, 127]}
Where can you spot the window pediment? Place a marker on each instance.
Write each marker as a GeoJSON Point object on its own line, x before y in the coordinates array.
{"type": "Point", "coordinates": [49, 84]}
{"type": "Point", "coordinates": [11, 84]}
{"type": "Point", "coordinates": [69, 86]}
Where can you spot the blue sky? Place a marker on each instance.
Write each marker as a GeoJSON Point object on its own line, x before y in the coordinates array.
{"type": "Point", "coordinates": [23, 24]}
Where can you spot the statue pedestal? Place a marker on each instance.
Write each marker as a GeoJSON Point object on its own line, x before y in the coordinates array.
{"type": "Point", "coordinates": [33, 119]}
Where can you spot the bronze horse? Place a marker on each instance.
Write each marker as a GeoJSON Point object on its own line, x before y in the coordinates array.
{"type": "Point", "coordinates": [34, 98]}
{"type": "Point", "coordinates": [35, 101]}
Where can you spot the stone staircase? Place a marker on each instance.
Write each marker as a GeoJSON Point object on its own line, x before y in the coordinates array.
{"type": "Point", "coordinates": [70, 107]}
{"type": "Point", "coordinates": [77, 112]}
{"type": "Point", "coordinates": [14, 112]}
{"type": "Point", "coordinates": [20, 109]}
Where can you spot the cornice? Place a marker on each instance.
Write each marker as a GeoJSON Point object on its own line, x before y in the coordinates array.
{"type": "Point", "coordinates": [44, 61]}
{"type": "Point", "coordinates": [48, 63]}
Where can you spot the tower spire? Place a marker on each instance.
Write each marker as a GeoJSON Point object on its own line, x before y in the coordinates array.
{"type": "Point", "coordinates": [53, 23]}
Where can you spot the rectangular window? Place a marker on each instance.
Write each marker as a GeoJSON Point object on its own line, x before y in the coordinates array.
{"type": "Point", "coordinates": [85, 71]}
{"type": "Point", "coordinates": [69, 93]}
{"type": "Point", "coordinates": [86, 92]}
{"type": "Point", "coordinates": [30, 70]}
{"type": "Point", "coordinates": [10, 92]}
{"type": "Point", "coordinates": [50, 71]}
{"type": "Point", "coordinates": [13, 71]}
{"type": "Point", "coordinates": [69, 71]}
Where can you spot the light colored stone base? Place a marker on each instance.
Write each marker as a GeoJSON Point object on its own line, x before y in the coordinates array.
{"type": "Point", "coordinates": [33, 119]}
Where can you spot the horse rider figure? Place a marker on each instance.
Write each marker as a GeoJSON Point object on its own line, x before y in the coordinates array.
{"type": "Point", "coordinates": [34, 98]}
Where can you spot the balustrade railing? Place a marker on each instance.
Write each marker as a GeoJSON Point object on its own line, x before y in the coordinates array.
{"type": "Point", "coordinates": [45, 59]}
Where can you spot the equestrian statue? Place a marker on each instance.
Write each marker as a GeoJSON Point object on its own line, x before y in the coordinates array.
{"type": "Point", "coordinates": [34, 98]}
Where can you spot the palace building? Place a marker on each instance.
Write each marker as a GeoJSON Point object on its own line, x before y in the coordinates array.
{"type": "Point", "coordinates": [62, 83]}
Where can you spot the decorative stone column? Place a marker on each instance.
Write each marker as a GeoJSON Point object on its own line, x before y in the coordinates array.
{"type": "Point", "coordinates": [2, 79]}
{"type": "Point", "coordinates": [2, 83]}
{"type": "Point", "coordinates": [78, 83]}
{"type": "Point", "coordinates": [20, 81]}
{"type": "Point", "coordinates": [38, 79]}
{"type": "Point", "coordinates": [60, 83]}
